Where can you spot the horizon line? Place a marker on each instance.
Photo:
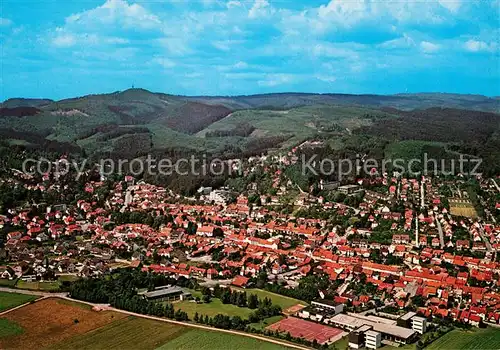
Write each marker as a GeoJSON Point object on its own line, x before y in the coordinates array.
{"type": "Point", "coordinates": [258, 94]}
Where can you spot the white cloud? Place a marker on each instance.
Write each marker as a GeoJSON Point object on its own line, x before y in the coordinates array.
{"type": "Point", "coordinates": [429, 47]}
{"type": "Point", "coordinates": [164, 62]}
{"type": "Point", "coordinates": [276, 79]}
{"type": "Point", "coordinates": [243, 75]}
{"type": "Point", "coordinates": [114, 40]}
{"type": "Point", "coordinates": [116, 13]}
{"type": "Point", "coordinates": [260, 8]}
{"type": "Point", "coordinates": [357, 67]}
{"type": "Point", "coordinates": [404, 42]}
{"type": "Point", "coordinates": [232, 4]}
{"type": "Point", "coordinates": [225, 45]}
{"type": "Point", "coordinates": [240, 65]}
{"type": "Point", "coordinates": [64, 40]}
{"type": "Point", "coordinates": [221, 45]}
{"type": "Point", "coordinates": [17, 30]}
{"type": "Point", "coordinates": [451, 5]}
{"type": "Point", "coordinates": [326, 78]}
{"type": "Point", "coordinates": [331, 50]}
{"type": "Point", "coordinates": [175, 46]}
{"type": "Point", "coordinates": [386, 16]}
{"type": "Point", "coordinates": [5, 22]}
{"type": "Point", "coordinates": [345, 12]}
{"type": "Point", "coordinates": [477, 46]}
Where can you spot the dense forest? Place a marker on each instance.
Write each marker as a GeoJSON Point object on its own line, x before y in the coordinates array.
{"type": "Point", "coordinates": [193, 117]}
{"type": "Point", "coordinates": [19, 111]}
{"type": "Point", "coordinates": [241, 130]}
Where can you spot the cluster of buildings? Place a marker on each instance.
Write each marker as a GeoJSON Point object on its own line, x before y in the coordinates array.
{"type": "Point", "coordinates": [400, 246]}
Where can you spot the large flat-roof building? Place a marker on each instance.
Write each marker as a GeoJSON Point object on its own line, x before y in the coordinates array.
{"type": "Point", "coordinates": [388, 328]}
{"type": "Point", "coordinates": [357, 338]}
{"type": "Point", "coordinates": [329, 305]}
{"type": "Point", "coordinates": [167, 293]}
{"type": "Point", "coordinates": [411, 320]}
{"type": "Point", "coordinates": [321, 310]}
{"type": "Point", "coordinates": [405, 320]}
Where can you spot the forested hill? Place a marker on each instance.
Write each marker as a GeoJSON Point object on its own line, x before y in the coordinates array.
{"type": "Point", "coordinates": [399, 101]}
{"type": "Point", "coordinates": [292, 99]}
{"type": "Point", "coordinates": [136, 122]}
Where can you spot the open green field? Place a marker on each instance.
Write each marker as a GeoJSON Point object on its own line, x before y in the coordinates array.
{"type": "Point", "coordinates": [277, 299]}
{"type": "Point", "coordinates": [341, 344]}
{"type": "Point", "coordinates": [298, 123]}
{"type": "Point", "coordinates": [7, 283]}
{"type": "Point", "coordinates": [206, 340]}
{"type": "Point", "coordinates": [67, 278]}
{"type": "Point", "coordinates": [9, 328]}
{"type": "Point", "coordinates": [266, 322]}
{"type": "Point", "coordinates": [139, 333]}
{"type": "Point", "coordinates": [217, 307]}
{"type": "Point", "coordinates": [48, 286]}
{"type": "Point", "coordinates": [211, 309]}
{"type": "Point", "coordinates": [409, 149]}
{"type": "Point", "coordinates": [10, 300]}
{"type": "Point", "coordinates": [127, 333]}
{"type": "Point", "coordinates": [481, 339]}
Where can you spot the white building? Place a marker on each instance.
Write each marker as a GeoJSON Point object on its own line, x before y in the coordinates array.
{"type": "Point", "coordinates": [419, 324]}
{"type": "Point", "coordinates": [373, 340]}
{"type": "Point", "coordinates": [335, 308]}
{"type": "Point", "coordinates": [219, 196]}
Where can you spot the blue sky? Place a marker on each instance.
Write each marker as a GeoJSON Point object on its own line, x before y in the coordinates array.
{"type": "Point", "coordinates": [58, 49]}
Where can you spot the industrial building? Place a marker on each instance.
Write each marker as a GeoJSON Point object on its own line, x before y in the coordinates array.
{"type": "Point", "coordinates": [166, 293]}
{"type": "Point", "coordinates": [387, 328]}
{"type": "Point", "coordinates": [411, 320]}
{"type": "Point", "coordinates": [328, 305]}
{"type": "Point", "coordinates": [357, 337]}
{"type": "Point", "coordinates": [321, 310]}
{"type": "Point", "coordinates": [373, 340]}
{"type": "Point", "coordinates": [419, 324]}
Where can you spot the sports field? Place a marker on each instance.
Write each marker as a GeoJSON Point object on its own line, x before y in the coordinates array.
{"type": "Point", "coordinates": [281, 300]}
{"type": "Point", "coordinates": [214, 307]}
{"type": "Point", "coordinates": [299, 328]}
{"type": "Point", "coordinates": [481, 339]}
{"type": "Point", "coordinates": [10, 300]}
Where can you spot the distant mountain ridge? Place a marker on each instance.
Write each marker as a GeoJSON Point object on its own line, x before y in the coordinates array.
{"type": "Point", "coordinates": [399, 101]}
{"type": "Point", "coordinates": [136, 122]}
{"type": "Point", "coordinates": [25, 102]}
{"type": "Point", "coordinates": [403, 101]}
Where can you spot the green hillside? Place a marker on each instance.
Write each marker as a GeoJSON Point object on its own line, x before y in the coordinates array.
{"type": "Point", "coordinates": [135, 122]}
{"type": "Point", "coordinates": [139, 119]}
